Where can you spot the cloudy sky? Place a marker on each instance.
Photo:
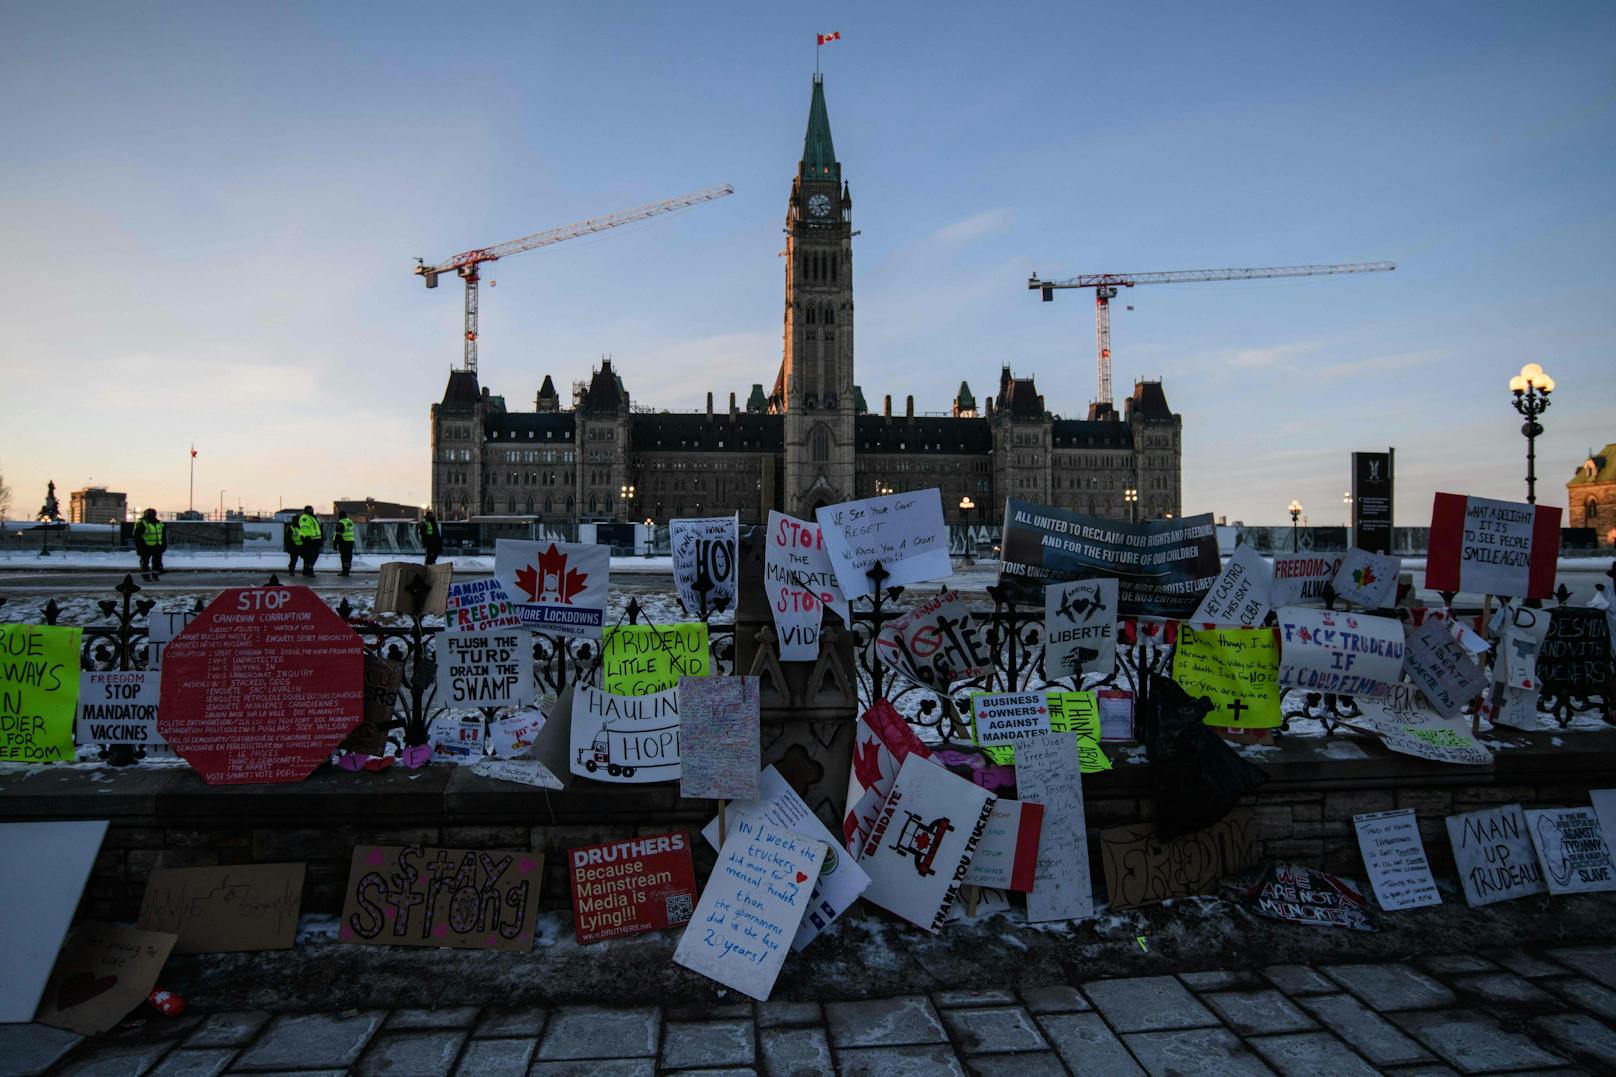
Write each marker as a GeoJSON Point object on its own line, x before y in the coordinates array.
{"type": "Point", "coordinates": [210, 214]}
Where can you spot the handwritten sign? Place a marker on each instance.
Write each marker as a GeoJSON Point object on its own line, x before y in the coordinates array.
{"type": "Point", "coordinates": [520, 771]}
{"type": "Point", "coordinates": [628, 887]}
{"type": "Point", "coordinates": [1367, 579]}
{"type": "Point", "coordinates": [1299, 578]}
{"type": "Point", "coordinates": [1240, 596]}
{"type": "Point", "coordinates": [1007, 856]}
{"type": "Point", "coordinates": [704, 547]}
{"type": "Point", "coordinates": [161, 627]}
{"type": "Point", "coordinates": [118, 708]}
{"type": "Point", "coordinates": [103, 972]}
{"type": "Point", "coordinates": [512, 736]}
{"type": "Point", "coordinates": [262, 687]}
{"type": "Point", "coordinates": [1002, 717]}
{"type": "Point", "coordinates": [1573, 850]}
{"type": "Point", "coordinates": [456, 740]}
{"type": "Point", "coordinates": [904, 532]}
{"type": "Point", "coordinates": [1077, 713]}
{"type": "Point", "coordinates": [1302, 895]}
{"type": "Point", "coordinates": [1441, 669]}
{"type": "Point", "coordinates": [755, 898]}
{"type": "Point", "coordinates": [799, 584]}
{"type": "Point", "coordinates": [1486, 547]}
{"type": "Point", "coordinates": [1350, 654]}
{"type": "Point", "coordinates": [882, 740]}
{"type": "Point", "coordinates": [39, 686]}
{"type": "Point", "coordinates": [383, 676]}
{"type": "Point", "coordinates": [225, 909]}
{"type": "Point", "coordinates": [419, 895]}
{"type": "Point", "coordinates": [1493, 854]}
{"type": "Point", "coordinates": [934, 644]}
{"type": "Point", "coordinates": [719, 746]}
{"type": "Point", "coordinates": [1604, 804]}
{"type": "Point", "coordinates": [1142, 869]}
{"type": "Point", "coordinates": [1512, 707]}
{"type": "Point", "coordinates": [637, 660]}
{"type": "Point", "coordinates": [1522, 631]}
{"type": "Point", "coordinates": [479, 606]}
{"type": "Point", "coordinates": [1394, 857]}
{"type": "Point", "coordinates": [1080, 627]}
{"type": "Point", "coordinates": [555, 587]}
{"type": "Point", "coordinates": [1237, 669]}
{"type": "Point", "coordinates": [485, 669]}
{"type": "Point", "coordinates": [625, 738]}
{"type": "Point", "coordinates": [1048, 773]}
{"type": "Point", "coordinates": [1575, 659]}
{"type": "Point", "coordinates": [1406, 725]}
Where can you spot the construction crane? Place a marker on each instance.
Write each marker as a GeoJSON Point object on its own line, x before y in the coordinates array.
{"type": "Point", "coordinates": [1105, 287]}
{"type": "Point", "coordinates": [465, 264]}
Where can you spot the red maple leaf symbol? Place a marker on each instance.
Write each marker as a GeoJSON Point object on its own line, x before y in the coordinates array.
{"type": "Point", "coordinates": [550, 580]}
{"type": "Point", "coordinates": [867, 763]}
{"type": "Point", "coordinates": [922, 840]}
{"type": "Point", "coordinates": [1305, 634]}
{"type": "Point", "coordinates": [528, 580]}
{"type": "Point", "coordinates": [573, 586]}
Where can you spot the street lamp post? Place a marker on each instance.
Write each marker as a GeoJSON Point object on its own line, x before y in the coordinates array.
{"type": "Point", "coordinates": [1346, 499]}
{"type": "Point", "coordinates": [627, 491]}
{"type": "Point", "coordinates": [966, 505]}
{"type": "Point", "coordinates": [1531, 388]}
{"type": "Point", "coordinates": [1131, 496]}
{"type": "Point", "coordinates": [1296, 514]}
{"type": "Point", "coordinates": [650, 532]}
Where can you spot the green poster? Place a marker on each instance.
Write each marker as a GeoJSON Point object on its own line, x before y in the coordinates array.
{"type": "Point", "coordinates": [637, 660]}
{"type": "Point", "coordinates": [1069, 712]}
{"type": "Point", "coordinates": [39, 688]}
{"type": "Point", "coordinates": [1237, 669]}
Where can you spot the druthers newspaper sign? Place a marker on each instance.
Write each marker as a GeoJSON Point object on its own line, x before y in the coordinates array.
{"type": "Point", "coordinates": [626, 887]}
{"type": "Point", "coordinates": [1485, 547]}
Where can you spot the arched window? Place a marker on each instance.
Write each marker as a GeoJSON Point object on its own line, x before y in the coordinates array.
{"type": "Point", "coordinates": [811, 315]}
{"type": "Point", "coordinates": [821, 445]}
{"type": "Point", "coordinates": [833, 262]}
{"type": "Point", "coordinates": [548, 505]}
{"type": "Point", "coordinates": [1590, 511]}
{"type": "Point", "coordinates": [830, 313]}
{"type": "Point", "coordinates": [530, 504]}
{"type": "Point", "coordinates": [510, 506]}
{"type": "Point", "coordinates": [592, 503]}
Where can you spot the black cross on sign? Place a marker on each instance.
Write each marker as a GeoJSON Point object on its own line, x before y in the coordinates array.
{"type": "Point", "coordinates": [1235, 708]}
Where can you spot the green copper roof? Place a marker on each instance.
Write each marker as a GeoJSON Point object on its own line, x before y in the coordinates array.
{"type": "Point", "coordinates": [859, 406]}
{"type": "Point", "coordinates": [818, 152]}
{"type": "Point", "coordinates": [757, 402]}
{"type": "Point", "coordinates": [964, 397]}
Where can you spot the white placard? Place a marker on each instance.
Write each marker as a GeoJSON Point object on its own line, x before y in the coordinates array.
{"type": "Point", "coordinates": [1367, 579]}
{"type": "Point", "coordinates": [799, 584]}
{"type": "Point", "coordinates": [719, 746]}
{"type": "Point", "coordinates": [705, 543]}
{"type": "Point", "coordinates": [46, 867]}
{"type": "Point", "coordinates": [512, 736]}
{"type": "Point", "coordinates": [1080, 627]}
{"type": "Point", "coordinates": [1441, 669]}
{"type": "Point", "coordinates": [478, 606]}
{"type": "Point", "coordinates": [1002, 717]}
{"type": "Point", "coordinates": [935, 644]}
{"type": "Point", "coordinates": [1299, 578]}
{"type": "Point", "coordinates": [1049, 772]}
{"type": "Point", "coordinates": [522, 771]}
{"type": "Point", "coordinates": [625, 738]}
{"type": "Point", "coordinates": [485, 669]}
{"type": "Point", "coordinates": [754, 901]}
{"type": "Point", "coordinates": [1493, 855]}
{"type": "Point", "coordinates": [1394, 857]}
{"type": "Point", "coordinates": [1241, 596]}
{"type": "Point", "coordinates": [1487, 547]}
{"type": "Point", "coordinates": [1404, 724]}
{"type": "Point", "coordinates": [1572, 849]}
{"type": "Point", "coordinates": [1349, 654]}
{"type": "Point", "coordinates": [161, 628]}
{"type": "Point", "coordinates": [118, 708]}
{"type": "Point", "coordinates": [1521, 632]}
{"type": "Point", "coordinates": [1604, 804]}
{"type": "Point", "coordinates": [558, 588]}
{"type": "Point", "coordinates": [1007, 856]}
{"type": "Point", "coordinates": [904, 532]}
{"type": "Point", "coordinates": [1512, 707]}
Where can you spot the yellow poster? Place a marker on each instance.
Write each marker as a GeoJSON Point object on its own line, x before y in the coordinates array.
{"type": "Point", "coordinates": [1069, 712]}
{"type": "Point", "coordinates": [39, 688]}
{"type": "Point", "coordinates": [639, 660]}
{"type": "Point", "coordinates": [1237, 669]}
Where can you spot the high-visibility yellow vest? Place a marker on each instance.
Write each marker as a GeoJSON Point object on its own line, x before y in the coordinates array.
{"type": "Point", "coordinates": [151, 532]}
{"type": "Point", "coordinates": [345, 530]}
{"type": "Point", "coordinates": [309, 528]}
{"type": "Point", "coordinates": [428, 528]}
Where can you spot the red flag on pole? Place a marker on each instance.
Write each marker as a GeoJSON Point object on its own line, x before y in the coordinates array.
{"type": "Point", "coordinates": [827, 38]}
{"type": "Point", "coordinates": [193, 452]}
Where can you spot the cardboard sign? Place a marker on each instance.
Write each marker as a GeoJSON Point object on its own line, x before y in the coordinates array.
{"type": "Point", "coordinates": [1080, 627]}
{"type": "Point", "coordinates": [420, 895]}
{"type": "Point", "coordinates": [840, 881]}
{"type": "Point", "coordinates": [799, 584]}
{"type": "Point", "coordinates": [637, 660]}
{"type": "Point", "coordinates": [521, 771]}
{"type": "Point", "coordinates": [1077, 713]}
{"type": "Point", "coordinates": [161, 627]}
{"type": "Point", "coordinates": [1007, 856]}
{"type": "Point", "coordinates": [882, 740]}
{"type": "Point", "coordinates": [1237, 669]}
{"type": "Point", "coordinates": [555, 587]}
{"type": "Point", "coordinates": [485, 669]}
{"type": "Point", "coordinates": [1240, 596]}
{"type": "Point", "coordinates": [629, 887]}
{"type": "Point", "coordinates": [625, 738]}
{"type": "Point", "coordinates": [39, 686]}
{"type": "Point", "coordinates": [262, 687]}
{"type": "Point", "coordinates": [47, 867]}
{"type": "Point", "coordinates": [1406, 725]}
{"type": "Point", "coordinates": [720, 749]}
{"type": "Point", "coordinates": [479, 606]}
{"type": "Point", "coordinates": [1573, 850]}
{"type": "Point", "coordinates": [1164, 566]}
{"type": "Point", "coordinates": [118, 708]}
{"type": "Point", "coordinates": [383, 677]}
{"type": "Point", "coordinates": [1486, 547]}
{"type": "Point", "coordinates": [755, 898]}
{"type": "Point", "coordinates": [935, 644]}
{"type": "Point", "coordinates": [1047, 773]}
{"type": "Point", "coordinates": [1493, 855]}
{"type": "Point", "coordinates": [1367, 579]}
{"type": "Point", "coordinates": [1394, 857]}
{"type": "Point", "coordinates": [1299, 578]}
{"type": "Point", "coordinates": [704, 546]}
{"type": "Point", "coordinates": [1349, 654]}
{"type": "Point", "coordinates": [393, 588]}
{"type": "Point", "coordinates": [1575, 659]}
{"type": "Point", "coordinates": [225, 909]}
{"type": "Point", "coordinates": [103, 972]}
{"type": "Point", "coordinates": [921, 845]}
{"type": "Point", "coordinates": [1302, 895]}
{"type": "Point", "coordinates": [904, 532]}
{"type": "Point", "coordinates": [1141, 869]}
{"type": "Point", "coordinates": [1002, 717]}
{"type": "Point", "coordinates": [1441, 669]}
{"type": "Point", "coordinates": [552, 743]}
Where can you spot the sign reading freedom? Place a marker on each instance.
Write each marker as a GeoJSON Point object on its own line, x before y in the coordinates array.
{"type": "Point", "coordinates": [1164, 566]}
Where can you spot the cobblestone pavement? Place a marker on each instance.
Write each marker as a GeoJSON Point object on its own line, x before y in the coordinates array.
{"type": "Point", "coordinates": [1541, 1011]}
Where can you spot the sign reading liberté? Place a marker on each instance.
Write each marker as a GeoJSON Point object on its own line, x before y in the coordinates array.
{"type": "Point", "coordinates": [555, 587]}
{"type": "Point", "coordinates": [1486, 547]}
{"type": "Point", "coordinates": [934, 644]}
{"type": "Point", "coordinates": [1080, 627]}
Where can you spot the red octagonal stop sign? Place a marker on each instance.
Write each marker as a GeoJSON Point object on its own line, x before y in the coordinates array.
{"type": "Point", "coordinates": [262, 686]}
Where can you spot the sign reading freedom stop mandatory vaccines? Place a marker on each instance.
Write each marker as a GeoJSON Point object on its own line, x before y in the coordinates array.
{"type": "Point", "coordinates": [627, 887]}
{"type": "Point", "coordinates": [1486, 547]}
{"type": "Point", "coordinates": [262, 687]}
{"type": "Point", "coordinates": [119, 708]}
{"type": "Point", "coordinates": [485, 669]}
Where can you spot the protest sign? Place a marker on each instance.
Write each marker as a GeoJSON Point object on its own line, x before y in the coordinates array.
{"type": "Point", "coordinates": [1116, 715]}
{"type": "Point", "coordinates": [799, 584]}
{"type": "Point", "coordinates": [1486, 547]}
{"type": "Point", "coordinates": [1367, 579]}
{"type": "Point", "coordinates": [521, 771]}
{"type": "Point", "coordinates": [1522, 632]}
{"type": "Point", "coordinates": [1164, 566]}
{"type": "Point", "coordinates": [383, 677]}
{"type": "Point", "coordinates": [1241, 595]}
{"type": "Point", "coordinates": [1001, 717]}
{"type": "Point", "coordinates": [555, 587]}
{"type": "Point", "coordinates": [1394, 857]}
{"type": "Point", "coordinates": [1515, 708]}
{"type": "Point", "coordinates": [118, 708]}
{"type": "Point", "coordinates": [628, 887]}
{"type": "Point", "coordinates": [161, 627]}
{"type": "Point", "coordinates": [1007, 856]}
{"type": "Point", "coordinates": [1142, 869]}
{"type": "Point", "coordinates": [485, 669]}
{"type": "Point", "coordinates": [552, 743]}
{"type": "Point", "coordinates": [1301, 895]}
{"type": "Point", "coordinates": [479, 606]}
{"type": "Point", "coordinates": [1493, 855]}
{"type": "Point", "coordinates": [396, 580]}
{"type": "Point", "coordinates": [1237, 669]}
{"type": "Point", "coordinates": [625, 738]}
{"type": "Point", "coordinates": [39, 686]}
{"type": "Point", "coordinates": [1299, 578]}
{"type": "Point", "coordinates": [103, 972]}
{"type": "Point", "coordinates": [420, 895]}
{"type": "Point", "coordinates": [1573, 850]}
{"type": "Point", "coordinates": [1080, 628]}
{"type": "Point", "coordinates": [1404, 724]}
{"type": "Point", "coordinates": [512, 736]}
{"type": "Point", "coordinates": [882, 740]}
{"type": "Point", "coordinates": [1047, 773]}
{"type": "Point", "coordinates": [1604, 804]}
{"type": "Point", "coordinates": [904, 532]}
{"type": "Point", "coordinates": [934, 644]}
{"type": "Point", "coordinates": [920, 847]}
{"type": "Point", "coordinates": [754, 901]}
{"type": "Point", "coordinates": [455, 740]}
{"type": "Point", "coordinates": [227, 909]}
{"type": "Point", "coordinates": [47, 865]}
{"type": "Point", "coordinates": [1350, 654]}
{"type": "Point", "coordinates": [720, 749]}
{"type": "Point", "coordinates": [704, 548]}
{"type": "Point", "coordinates": [637, 660]}
{"type": "Point", "coordinates": [1575, 659]}
{"type": "Point", "coordinates": [840, 880]}
{"type": "Point", "coordinates": [262, 687]}
{"type": "Point", "coordinates": [1077, 713]}
{"type": "Point", "coordinates": [1442, 671]}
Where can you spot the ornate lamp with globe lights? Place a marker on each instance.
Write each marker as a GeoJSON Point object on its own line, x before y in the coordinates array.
{"type": "Point", "coordinates": [1531, 388]}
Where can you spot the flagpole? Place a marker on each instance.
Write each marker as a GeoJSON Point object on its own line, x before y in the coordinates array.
{"type": "Point", "coordinates": [190, 504]}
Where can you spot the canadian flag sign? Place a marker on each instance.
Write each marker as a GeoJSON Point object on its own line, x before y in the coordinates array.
{"type": "Point", "coordinates": [1486, 547]}
{"type": "Point", "coordinates": [555, 587]}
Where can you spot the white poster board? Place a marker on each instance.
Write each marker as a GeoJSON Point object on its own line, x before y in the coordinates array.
{"type": "Point", "coordinates": [625, 738]}
{"type": "Point", "coordinates": [1493, 855]}
{"type": "Point", "coordinates": [1404, 724]}
{"type": "Point", "coordinates": [1080, 627]}
{"type": "Point", "coordinates": [1441, 669]}
{"type": "Point", "coordinates": [1241, 595]}
{"type": "Point", "coordinates": [1367, 579]}
{"type": "Point", "coordinates": [161, 628]}
{"type": "Point", "coordinates": [485, 669]}
{"type": "Point", "coordinates": [1573, 850]}
{"type": "Point", "coordinates": [704, 545]}
{"type": "Point", "coordinates": [1394, 857]}
{"type": "Point", "coordinates": [47, 865]}
{"type": "Point", "coordinates": [935, 644]}
{"type": "Point", "coordinates": [1604, 804]}
{"type": "Point", "coordinates": [558, 588]}
{"type": "Point", "coordinates": [1007, 856]}
{"type": "Point", "coordinates": [1048, 772]}
{"type": "Point", "coordinates": [799, 584]}
{"type": "Point", "coordinates": [1299, 578]}
{"type": "Point", "coordinates": [1350, 654]}
{"type": "Point", "coordinates": [118, 708]}
{"type": "Point", "coordinates": [904, 532]}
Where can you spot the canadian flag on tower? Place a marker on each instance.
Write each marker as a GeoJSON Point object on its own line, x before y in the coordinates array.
{"type": "Point", "coordinates": [825, 39]}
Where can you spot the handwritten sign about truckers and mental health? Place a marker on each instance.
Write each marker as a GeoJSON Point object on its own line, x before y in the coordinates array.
{"type": "Point", "coordinates": [628, 887]}
{"type": "Point", "coordinates": [799, 584]}
{"type": "Point", "coordinates": [485, 669]}
{"type": "Point", "coordinates": [1240, 596]}
{"type": "Point", "coordinates": [704, 553]}
{"type": "Point", "coordinates": [39, 686]}
{"type": "Point", "coordinates": [625, 738]}
{"type": "Point", "coordinates": [637, 660]}
{"type": "Point", "coordinates": [1080, 627]}
{"type": "Point", "coordinates": [1236, 668]}
{"type": "Point", "coordinates": [1492, 853]}
{"type": "Point", "coordinates": [1350, 654]}
{"type": "Point", "coordinates": [904, 532]}
{"type": "Point", "coordinates": [470, 899]}
{"type": "Point", "coordinates": [1486, 547]}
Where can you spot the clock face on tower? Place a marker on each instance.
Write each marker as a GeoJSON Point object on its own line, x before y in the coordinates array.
{"type": "Point", "coordinates": [819, 206]}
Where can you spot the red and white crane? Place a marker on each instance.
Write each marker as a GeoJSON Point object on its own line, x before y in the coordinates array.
{"type": "Point", "coordinates": [466, 263]}
{"type": "Point", "coordinates": [1105, 287]}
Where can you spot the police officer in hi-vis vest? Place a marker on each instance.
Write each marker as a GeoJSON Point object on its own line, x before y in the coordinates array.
{"type": "Point", "coordinates": [431, 533]}
{"type": "Point", "coordinates": [309, 538]}
{"type": "Point", "coordinates": [345, 536]}
{"type": "Point", "coordinates": [150, 542]}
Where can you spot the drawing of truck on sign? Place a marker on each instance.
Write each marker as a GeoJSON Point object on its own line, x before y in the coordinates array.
{"type": "Point", "coordinates": [621, 750]}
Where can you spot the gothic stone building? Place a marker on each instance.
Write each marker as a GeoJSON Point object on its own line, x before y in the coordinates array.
{"type": "Point", "coordinates": [1591, 495]}
{"type": "Point", "coordinates": [810, 442]}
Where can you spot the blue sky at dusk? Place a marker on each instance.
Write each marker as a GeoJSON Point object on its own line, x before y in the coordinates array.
{"type": "Point", "coordinates": [210, 214]}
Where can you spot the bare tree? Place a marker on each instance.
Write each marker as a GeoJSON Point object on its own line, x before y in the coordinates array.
{"type": "Point", "coordinates": [5, 496]}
